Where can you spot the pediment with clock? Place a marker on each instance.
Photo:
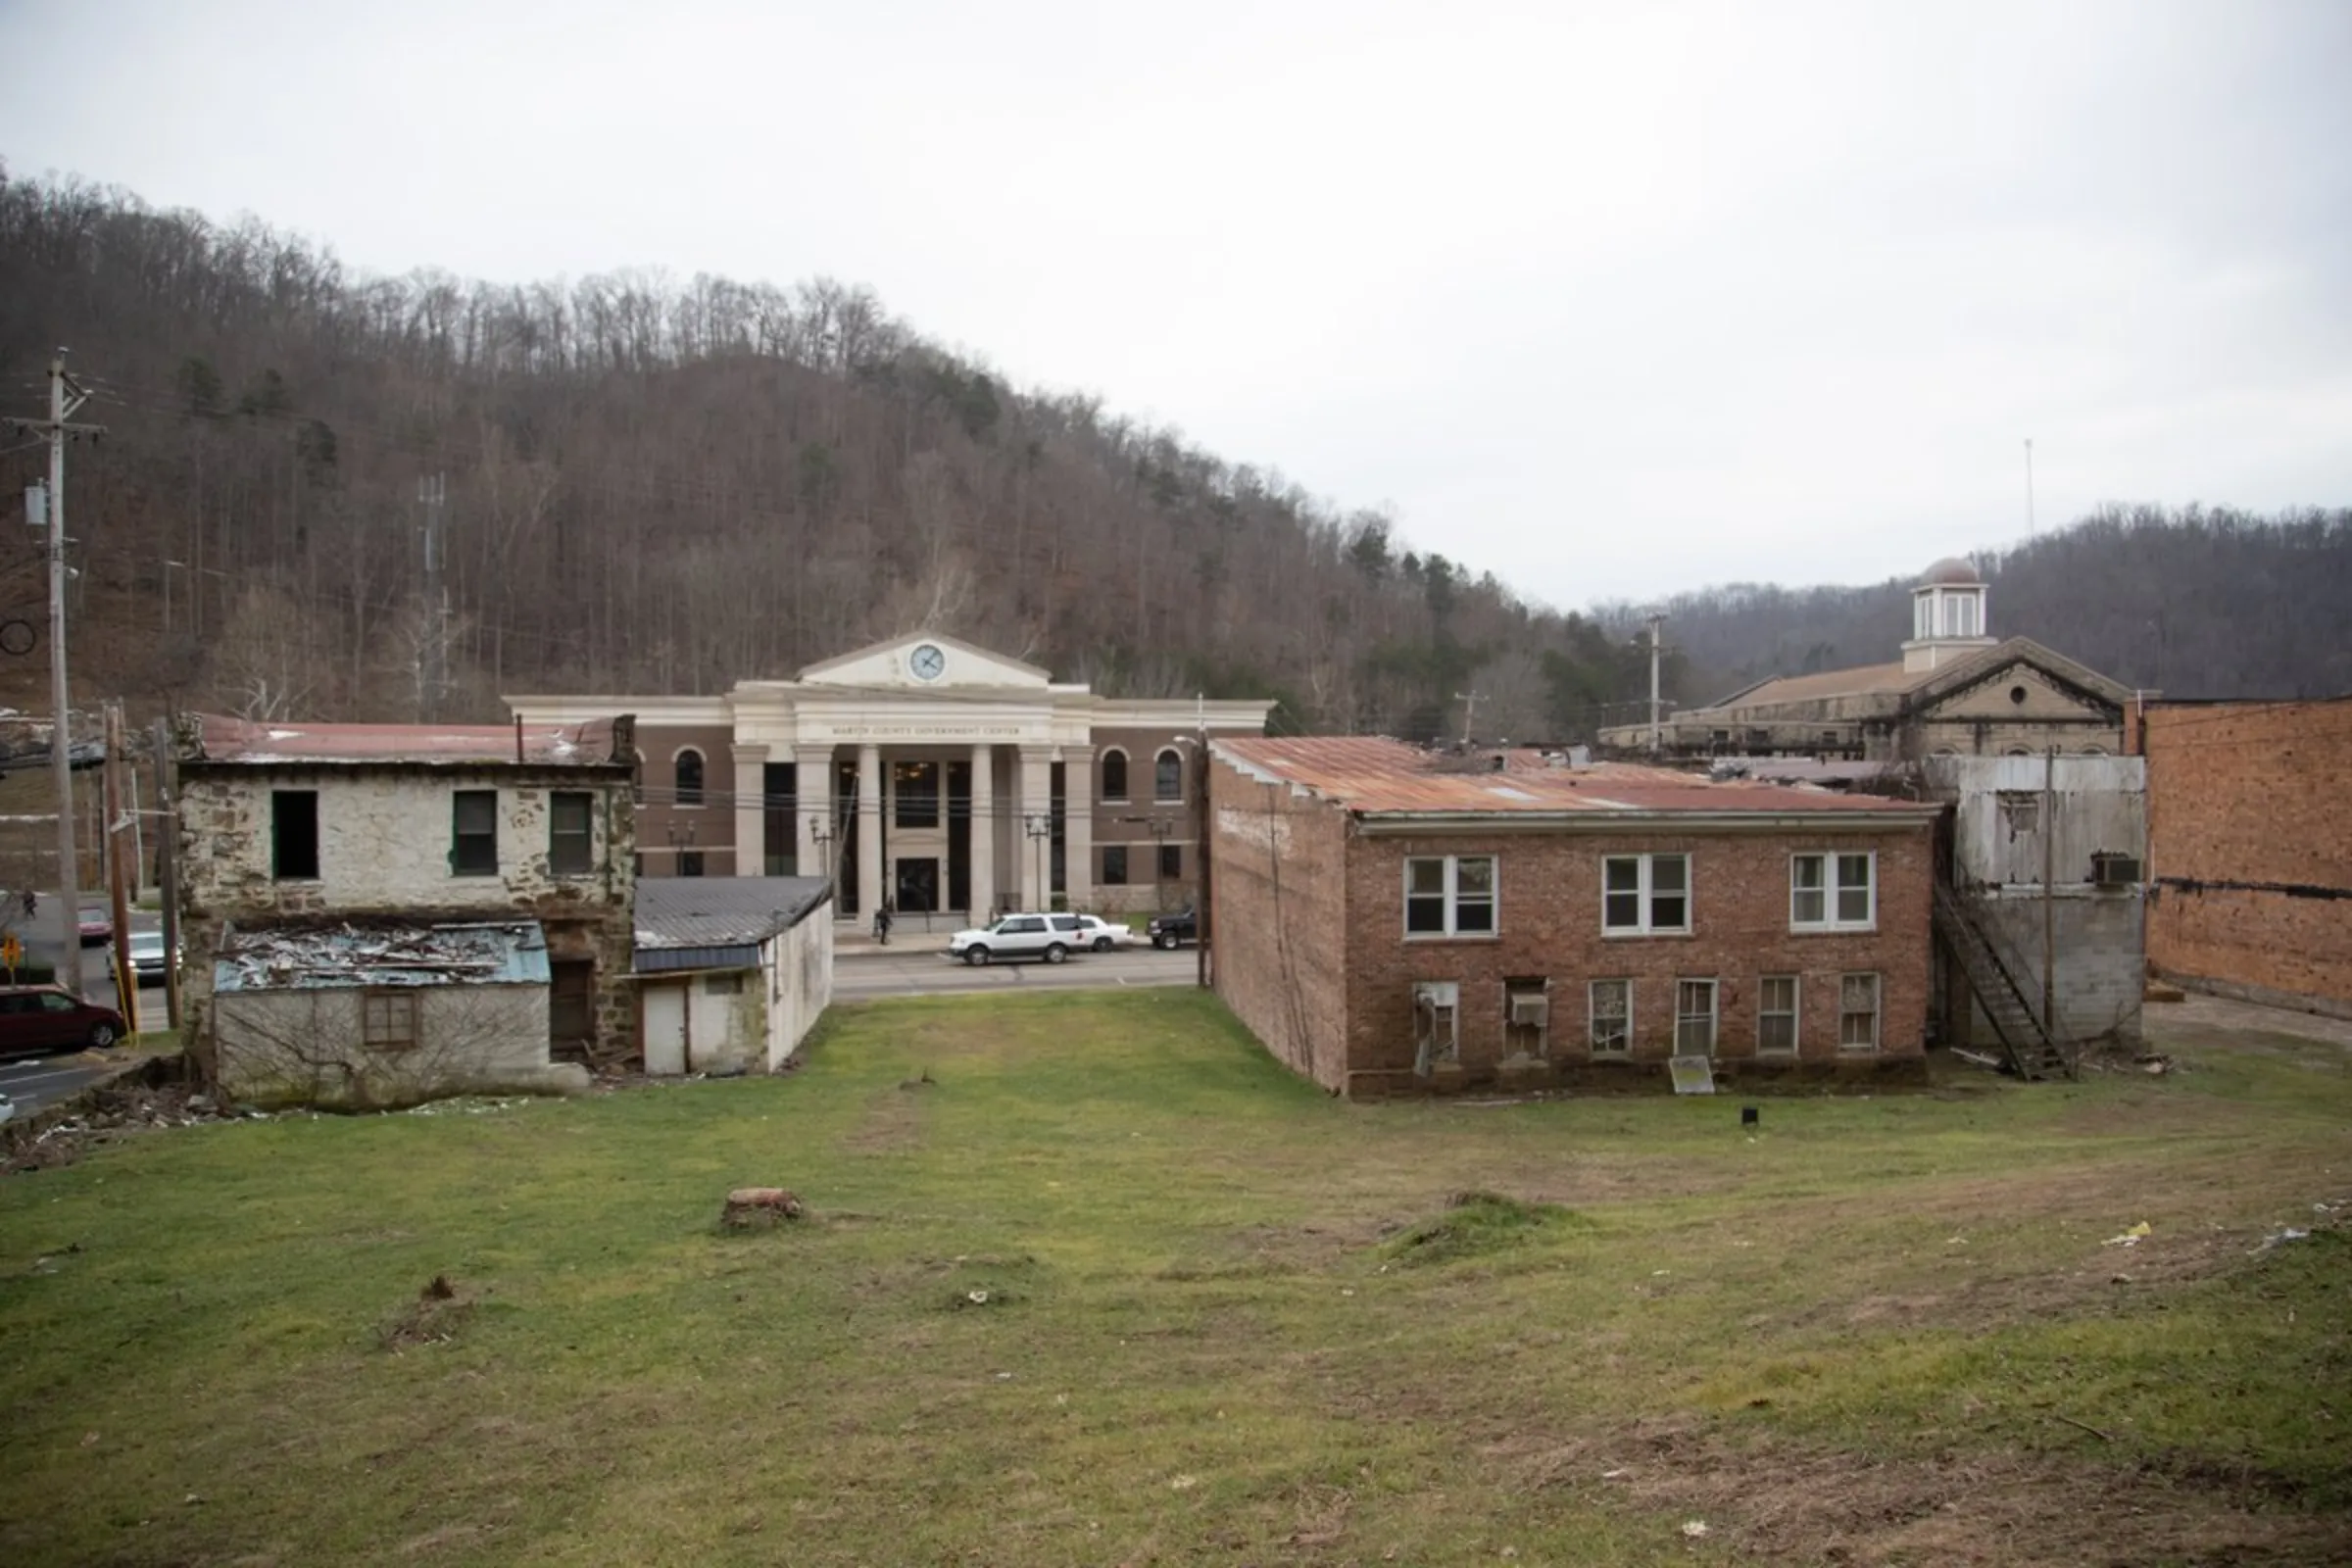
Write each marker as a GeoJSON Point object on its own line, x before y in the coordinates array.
{"type": "Point", "coordinates": [925, 661]}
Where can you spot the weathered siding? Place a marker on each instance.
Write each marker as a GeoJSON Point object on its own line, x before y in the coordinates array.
{"type": "Point", "coordinates": [800, 982]}
{"type": "Point", "coordinates": [1279, 924]}
{"type": "Point", "coordinates": [2250, 848]}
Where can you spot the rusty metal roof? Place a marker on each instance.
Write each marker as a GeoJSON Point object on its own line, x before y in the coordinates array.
{"type": "Point", "coordinates": [221, 739]}
{"type": "Point", "coordinates": [1379, 777]}
{"type": "Point", "coordinates": [385, 952]}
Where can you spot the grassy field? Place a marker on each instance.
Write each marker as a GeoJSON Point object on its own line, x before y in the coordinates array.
{"type": "Point", "coordinates": [1087, 1280]}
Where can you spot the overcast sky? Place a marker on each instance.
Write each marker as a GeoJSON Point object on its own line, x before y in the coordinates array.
{"type": "Point", "coordinates": [1608, 299]}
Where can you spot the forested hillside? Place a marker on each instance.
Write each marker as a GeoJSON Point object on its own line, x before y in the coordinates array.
{"type": "Point", "coordinates": [2193, 602]}
{"type": "Point", "coordinates": [662, 486]}
{"type": "Point", "coordinates": [657, 485]}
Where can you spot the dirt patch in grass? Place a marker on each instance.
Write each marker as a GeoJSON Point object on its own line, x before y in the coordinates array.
{"type": "Point", "coordinates": [1787, 1501]}
{"type": "Point", "coordinates": [437, 1316]}
{"type": "Point", "coordinates": [892, 1124]}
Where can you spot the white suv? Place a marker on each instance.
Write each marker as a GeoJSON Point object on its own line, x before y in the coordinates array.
{"type": "Point", "coordinates": [1050, 937]}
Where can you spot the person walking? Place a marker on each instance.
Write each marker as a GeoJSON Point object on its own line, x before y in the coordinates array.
{"type": "Point", "coordinates": [882, 923]}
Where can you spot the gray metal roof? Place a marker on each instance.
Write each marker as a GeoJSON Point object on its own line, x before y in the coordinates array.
{"type": "Point", "coordinates": [670, 961]}
{"type": "Point", "coordinates": [707, 912]}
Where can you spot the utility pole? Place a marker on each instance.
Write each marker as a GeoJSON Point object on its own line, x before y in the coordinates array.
{"type": "Point", "coordinates": [431, 493]}
{"type": "Point", "coordinates": [127, 978]}
{"type": "Point", "coordinates": [2049, 908]}
{"type": "Point", "coordinates": [1657, 619]}
{"type": "Point", "coordinates": [66, 398]}
{"type": "Point", "coordinates": [1469, 701]}
{"type": "Point", "coordinates": [166, 793]}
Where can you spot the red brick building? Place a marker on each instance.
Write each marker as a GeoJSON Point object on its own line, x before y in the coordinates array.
{"type": "Point", "coordinates": [2250, 848]}
{"type": "Point", "coordinates": [1389, 921]}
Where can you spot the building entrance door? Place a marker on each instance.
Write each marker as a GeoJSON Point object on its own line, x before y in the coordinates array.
{"type": "Point", "coordinates": [918, 885]}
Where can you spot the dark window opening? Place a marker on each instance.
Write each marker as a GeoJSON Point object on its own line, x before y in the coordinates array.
{"type": "Point", "coordinates": [570, 1002]}
{"type": "Point", "coordinates": [294, 835]}
{"type": "Point", "coordinates": [1114, 865]}
{"type": "Point", "coordinates": [690, 778]}
{"type": "Point", "coordinates": [570, 833]}
{"type": "Point", "coordinates": [1171, 861]}
{"type": "Point", "coordinates": [1115, 775]}
{"type": "Point", "coordinates": [473, 846]}
{"type": "Point", "coordinates": [690, 862]}
{"type": "Point", "coordinates": [1168, 777]}
{"type": "Point", "coordinates": [916, 785]}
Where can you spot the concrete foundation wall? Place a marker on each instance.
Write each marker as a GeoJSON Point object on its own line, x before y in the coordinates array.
{"type": "Point", "coordinates": [2101, 968]}
{"type": "Point", "coordinates": [800, 983]}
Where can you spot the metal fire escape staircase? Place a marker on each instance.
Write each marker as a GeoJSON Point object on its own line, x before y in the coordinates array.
{"type": "Point", "coordinates": [2027, 1048]}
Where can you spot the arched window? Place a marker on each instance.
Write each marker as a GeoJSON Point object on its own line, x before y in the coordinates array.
{"type": "Point", "coordinates": [1169, 779]}
{"type": "Point", "coordinates": [1114, 775]}
{"type": "Point", "coordinates": [690, 777]}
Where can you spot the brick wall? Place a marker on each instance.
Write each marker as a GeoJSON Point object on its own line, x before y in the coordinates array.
{"type": "Point", "coordinates": [2250, 848]}
{"type": "Point", "coordinates": [1279, 920]}
{"type": "Point", "coordinates": [1549, 915]}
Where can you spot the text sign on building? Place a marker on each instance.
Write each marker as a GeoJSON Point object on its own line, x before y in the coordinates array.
{"type": "Point", "coordinates": [915, 732]}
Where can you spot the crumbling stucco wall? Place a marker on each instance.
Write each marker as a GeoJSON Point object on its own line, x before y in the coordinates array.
{"type": "Point", "coordinates": [303, 1047]}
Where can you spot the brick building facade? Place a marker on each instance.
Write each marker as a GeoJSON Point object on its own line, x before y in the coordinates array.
{"type": "Point", "coordinates": [1386, 921]}
{"type": "Point", "coordinates": [2250, 848]}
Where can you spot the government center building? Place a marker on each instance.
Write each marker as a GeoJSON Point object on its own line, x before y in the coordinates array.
{"type": "Point", "coordinates": [940, 776]}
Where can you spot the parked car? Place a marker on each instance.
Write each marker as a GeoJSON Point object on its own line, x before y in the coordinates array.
{"type": "Point", "coordinates": [1103, 935]}
{"type": "Point", "coordinates": [97, 925]}
{"type": "Point", "coordinates": [38, 1020]}
{"type": "Point", "coordinates": [1167, 930]}
{"type": "Point", "coordinates": [1050, 937]}
{"type": "Point", "coordinates": [8, 1110]}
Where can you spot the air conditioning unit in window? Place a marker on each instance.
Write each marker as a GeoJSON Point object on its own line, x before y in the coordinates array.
{"type": "Point", "coordinates": [1531, 1013]}
{"type": "Point", "coordinates": [2115, 871]}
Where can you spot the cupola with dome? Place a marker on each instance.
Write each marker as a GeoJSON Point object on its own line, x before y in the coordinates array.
{"type": "Point", "coordinates": [1947, 615]}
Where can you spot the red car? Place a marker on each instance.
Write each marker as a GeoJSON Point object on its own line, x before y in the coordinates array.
{"type": "Point", "coordinates": [44, 1021]}
{"type": "Point", "coordinates": [97, 925]}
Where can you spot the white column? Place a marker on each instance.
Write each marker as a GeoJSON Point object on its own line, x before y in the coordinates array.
{"type": "Point", "coordinates": [812, 808]}
{"type": "Point", "coordinates": [751, 801]}
{"type": "Point", "coordinates": [984, 833]}
{"type": "Point", "coordinates": [1078, 824]}
{"type": "Point", "coordinates": [869, 832]}
{"type": "Point", "coordinates": [1036, 805]}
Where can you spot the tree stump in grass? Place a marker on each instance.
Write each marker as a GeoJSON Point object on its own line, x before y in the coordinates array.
{"type": "Point", "coordinates": [748, 1206]}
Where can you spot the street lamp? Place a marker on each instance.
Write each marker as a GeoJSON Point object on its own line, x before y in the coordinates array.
{"type": "Point", "coordinates": [1040, 827]}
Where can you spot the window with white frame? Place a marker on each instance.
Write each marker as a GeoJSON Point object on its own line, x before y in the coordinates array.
{"type": "Point", "coordinates": [1612, 1017]}
{"type": "Point", "coordinates": [1695, 1017]}
{"type": "Point", "coordinates": [1775, 1015]}
{"type": "Point", "coordinates": [1834, 892]}
{"type": "Point", "coordinates": [1450, 896]}
{"type": "Point", "coordinates": [1436, 1027]}
{"type": "Point", "coordinates": [1645, 894]}
{"type": "Point", "coordinates": [1858, 1012]}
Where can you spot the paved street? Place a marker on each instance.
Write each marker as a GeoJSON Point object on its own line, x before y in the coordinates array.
{"type": "Point", "coordinates": [926, 970]}
{"type": "Point", "coordinates": [40, 1082]}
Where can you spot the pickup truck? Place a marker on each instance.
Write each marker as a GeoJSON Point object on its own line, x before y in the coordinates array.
{"type": "Point", "coordinates": [1168, 930]}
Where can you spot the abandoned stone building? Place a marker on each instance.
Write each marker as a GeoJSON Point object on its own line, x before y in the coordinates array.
{"type": "Point", "coordinates": [377, 912]}
{"type": "Point", "coordinates": [1389, 921]}
{"type": "Point", "coordinates": [1955, 691]}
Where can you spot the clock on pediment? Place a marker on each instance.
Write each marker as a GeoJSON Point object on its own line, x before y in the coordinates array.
{"type": "Point", "coordinates": [927, 663]}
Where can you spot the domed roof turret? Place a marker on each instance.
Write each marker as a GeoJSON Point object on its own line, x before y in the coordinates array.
{"type": "Point", "coordinates": [1951, 572]}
